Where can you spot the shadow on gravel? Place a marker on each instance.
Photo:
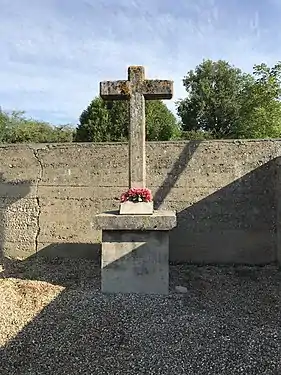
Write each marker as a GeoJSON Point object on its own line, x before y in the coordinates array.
{"type": "Point", "coordinates": [228, 322]}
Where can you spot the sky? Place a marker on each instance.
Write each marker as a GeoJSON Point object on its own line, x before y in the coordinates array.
{"type": "Point", "coordinates": [54, 53]}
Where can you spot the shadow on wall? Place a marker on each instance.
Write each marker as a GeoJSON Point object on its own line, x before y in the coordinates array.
{"type": "Point", "coordinates": [72, 250]}
{"type": "Point", "coordinates": [236, 224]}
{"type": "Point", "coordinates": [178, 168]}
{"type": "Point", "coordinates": [10, 192]}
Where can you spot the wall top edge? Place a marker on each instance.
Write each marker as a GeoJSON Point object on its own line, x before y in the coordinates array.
{"type": "Point", "coordinates": [105, 144]}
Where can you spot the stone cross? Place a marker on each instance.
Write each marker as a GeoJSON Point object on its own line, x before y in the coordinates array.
{"type": "Point", "coordinates": [136, 89]}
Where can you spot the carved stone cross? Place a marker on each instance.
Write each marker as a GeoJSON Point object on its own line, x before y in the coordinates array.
{"type": "Point", "coordinates": [136, 89]}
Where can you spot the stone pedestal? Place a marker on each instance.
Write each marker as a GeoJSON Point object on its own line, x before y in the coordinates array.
{"type": "Point", "coordinates": [135, 252]}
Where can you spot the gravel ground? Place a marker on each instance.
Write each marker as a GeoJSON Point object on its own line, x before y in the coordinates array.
{"type": "Point", "coordinates": [228, 322]}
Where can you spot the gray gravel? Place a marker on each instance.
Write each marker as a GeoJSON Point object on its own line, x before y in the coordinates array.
{"type": "Point", "coordinates": [228, 322]}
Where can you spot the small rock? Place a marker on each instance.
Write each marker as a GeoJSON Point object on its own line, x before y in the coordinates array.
{"type": "Point", "coordinates": [181, 289]}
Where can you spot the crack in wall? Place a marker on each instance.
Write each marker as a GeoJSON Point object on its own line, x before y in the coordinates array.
{"type": "Point", "coordinates": [39, 179]}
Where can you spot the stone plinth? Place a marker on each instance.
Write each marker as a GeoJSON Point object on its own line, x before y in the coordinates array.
{"type": "Point", "coordinates": [138, 208]}
{"type": "Point", "coordinates": [135, 252]}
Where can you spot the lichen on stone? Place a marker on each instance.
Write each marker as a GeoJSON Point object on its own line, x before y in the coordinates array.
{"type": "Point", "coordinates": [124, 89]}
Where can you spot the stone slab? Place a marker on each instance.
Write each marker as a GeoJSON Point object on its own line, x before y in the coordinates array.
{"type": "Point", "coordinates": [135, 262]}
{"type": "Point", "coordinates": [158, 221]}
{"type": "Point", "coordinates": [138, 208]}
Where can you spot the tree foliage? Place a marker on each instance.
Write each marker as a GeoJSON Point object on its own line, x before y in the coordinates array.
{"type": "Point", "coordinates": [105, 121]}
{"type": "Point", "coordinates": [15, 128]}
{"type": "Point", "coordinates": [260, 115]}
{"type": "Point", "coordinates": [161, 123]}
{"type": "Point", "coordinates": [228, 103]}
{"type": "Point", "coordinates": [94, 123]}
{"type": "Point", "coordinates": [213, 99]}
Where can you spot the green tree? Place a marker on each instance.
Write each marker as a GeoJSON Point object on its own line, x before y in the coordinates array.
{"type": "Point", "coordinates": [214, 98]}
{"type": "Point", "coordinates": [161, 124]}
{"type": "Point", "coordinates": [94, 123]}
{"type": "Point", "coordinates": [16, 128]}
{"type": "Point", "coordinates": [118, 126]}
{"type": "Point", "coordinates": [109, 121]}
{"type": "Point", "coordinates": [4, 126]}
{"type": "Point", "coordinates": [260, 115]}
{"type": "Point", "coordinates": [63, 133]}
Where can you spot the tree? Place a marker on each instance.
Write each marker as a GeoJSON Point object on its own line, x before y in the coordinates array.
{"type": "Point", "coordinates": [260, 115]}
{"type": "Point", "coordinates": [63, 133]}
{"type": "Point", "coordinates": [214, 93]}
{"type": "Point", "coordinates": [118, 126]}
{"type": "Point", "coordinates": [224, 102]}
{"type": "Point", "coordinates": [94, 123]}
{"type": "Point", "coordinates": [15, 128]}
{"type": "Point", "coordinates": [109, 121]}
{"type": "Point", "coordinates": [4, 125]}
{"type": "Point", "coordinates": [161, 124]}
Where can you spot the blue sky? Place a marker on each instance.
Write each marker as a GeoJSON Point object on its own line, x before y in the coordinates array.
{"type": "Point", "coordinates": [54, 53]}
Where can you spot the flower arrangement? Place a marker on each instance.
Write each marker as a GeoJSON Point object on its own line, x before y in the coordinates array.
{"type": "Point", "coordinates": [137, 195]}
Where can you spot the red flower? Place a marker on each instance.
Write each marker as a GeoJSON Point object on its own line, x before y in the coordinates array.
{"type": "Point", "coordinates": [137, 195]}
{"type": "Point", "coordinates": [124, 197]}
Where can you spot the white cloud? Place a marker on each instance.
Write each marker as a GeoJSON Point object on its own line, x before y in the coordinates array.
{"type": "Point", "coordinates": [54, 54]}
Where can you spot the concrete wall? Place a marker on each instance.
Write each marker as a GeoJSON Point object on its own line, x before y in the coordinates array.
{"type": "Point", "coordinates": [226, 194]}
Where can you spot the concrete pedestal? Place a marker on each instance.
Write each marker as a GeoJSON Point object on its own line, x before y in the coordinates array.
{"type": "Point", "coordinates": [135, 252]}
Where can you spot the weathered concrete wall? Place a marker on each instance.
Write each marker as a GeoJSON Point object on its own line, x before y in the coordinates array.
{"type": "Point", "coordinates": [226, 194]}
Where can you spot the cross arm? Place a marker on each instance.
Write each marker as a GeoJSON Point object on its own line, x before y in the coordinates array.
{"type": "Point", "coordinates": [115, 90]}
{"type": "Point", "coordinates": [157, 89]}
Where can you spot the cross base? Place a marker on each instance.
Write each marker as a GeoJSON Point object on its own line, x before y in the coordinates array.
{"type": "Point", "coordinates": [138, 208]}
{"type": "Point", "coordinates": [135, 252]}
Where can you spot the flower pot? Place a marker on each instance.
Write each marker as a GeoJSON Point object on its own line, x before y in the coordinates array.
{"type": "Point", "coordinates": [136, 208]}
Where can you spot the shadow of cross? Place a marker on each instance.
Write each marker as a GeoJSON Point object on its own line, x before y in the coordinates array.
{"type": "Point", "coordinates": [136, 89]}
